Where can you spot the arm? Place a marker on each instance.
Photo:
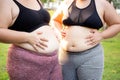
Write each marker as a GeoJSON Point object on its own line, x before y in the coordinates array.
{"type": "Point", "coordinates": [112, 19]}
{"type": "Point", "coordinates": [10, 36]}
{"type": "Point", "coordinates": [48, 34]}
{"type": "Point", "coordinates": [6, 19]}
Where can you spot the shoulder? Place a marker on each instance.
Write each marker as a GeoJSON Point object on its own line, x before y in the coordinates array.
{"type": "Point", "coordinates": [103, 3]}
{"type": "Point", "coordinates": [110, 14]}
{"type": "Point", "coordinates": [67, 2]}
{"type": "Point", "coordinates": [5, 12]}
{"type": "Point", "coordinates": [7, 3]}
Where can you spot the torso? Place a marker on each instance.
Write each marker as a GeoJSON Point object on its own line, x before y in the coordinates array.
{"type": "Point", "coordinates": [48, 34]}
{"type": "Point", "coordinates": [75, 39]}
{"type": "Point", "coordinates": [15, 9]}
{"type": "Point", "coordinates": [77, 32]}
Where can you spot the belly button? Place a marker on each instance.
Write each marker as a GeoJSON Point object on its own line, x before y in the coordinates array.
{"type": "Point", "coordinates": [73, 45]}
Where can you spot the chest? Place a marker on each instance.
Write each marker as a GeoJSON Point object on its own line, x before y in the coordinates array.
{"type": "Point", "coordinates": [25, 10]}
{"type": "Point", "coordinates": [27, 19]}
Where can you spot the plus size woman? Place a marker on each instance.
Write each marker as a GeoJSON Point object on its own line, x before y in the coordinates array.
{"type": "Point", "coordinates": [33, 53]}
{"type": "Point", "coordinates": [79, 22]}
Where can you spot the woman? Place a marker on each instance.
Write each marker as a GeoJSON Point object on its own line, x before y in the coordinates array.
{"type": "Point", "coordinates": [33, 55]}
{"type": "Point", "coordinates": [79, 22]}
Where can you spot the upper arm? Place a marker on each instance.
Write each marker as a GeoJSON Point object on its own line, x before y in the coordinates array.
{"type": "Point", "coordinates": [5, 14]}
{"type": "Point", "coordinates": [110, 15]}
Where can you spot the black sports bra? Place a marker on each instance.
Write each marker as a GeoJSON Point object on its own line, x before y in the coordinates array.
{"type": "Point", "coordinates": [29, 20]}
{"type": "Point", "coordinates": [87, 17]}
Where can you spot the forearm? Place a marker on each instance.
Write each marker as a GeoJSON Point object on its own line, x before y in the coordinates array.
{"type": "Point", "coordinates": [111, 31]}
{"type": "Point", "coordinates": [47, 38]}
{"type": "Point", "coordinates": [10, 36]}
{"type": "Point", "coordinates": [26, 46]}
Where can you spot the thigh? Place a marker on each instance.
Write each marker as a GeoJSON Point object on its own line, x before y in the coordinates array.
{"type": "Point", "coordinates": [92, 68]}
{"type": "Point", "coordinates": [27, 65]}
{"type": "Point", "coordinates": [56, 73]}
{"type": "Point", "coordinates": [69, 72]}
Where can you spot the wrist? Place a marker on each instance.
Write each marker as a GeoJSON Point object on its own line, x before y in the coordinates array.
{"type": "Point", "coordinates": [26, 37]}
{"type": "Point", "coordinates": [103, 36]}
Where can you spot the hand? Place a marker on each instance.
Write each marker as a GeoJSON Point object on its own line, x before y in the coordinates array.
{"type": "Point", "coordinates": [63, 33]}
{"type": "Point", "coordinates": [36, 41]}
{"type": "Point", "coordinates": [94, 38]}
{"type": "Point", "coordinates": [41, 43]}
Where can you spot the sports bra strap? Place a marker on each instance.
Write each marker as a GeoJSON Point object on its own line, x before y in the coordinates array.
{"type": "Point", "coordinates": [40, 3]}
{"type": "Point", "coordinates": [66, 6]}
{"type": "Point", "coordinates": [37, 1]}
{"type": "Point", "coordinates": [68, 2]}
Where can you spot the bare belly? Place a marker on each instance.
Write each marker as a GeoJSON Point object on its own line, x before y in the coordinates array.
{"type": "Point", "coordinates": [75, 39]}
{"type": "Point", "coordinates": [47, 33]}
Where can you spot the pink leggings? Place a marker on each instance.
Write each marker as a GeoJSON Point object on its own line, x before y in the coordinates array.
{"type": "Point", "coordinates": [26, 65]}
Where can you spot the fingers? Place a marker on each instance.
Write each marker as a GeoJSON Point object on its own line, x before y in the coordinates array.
{"type": "Point", "coordinates": [63, 33]}
{"type": "Point", "coordinates": [40, 46]}
{"type": "Point", "coordinates": [35, 47]}
{"type": "Point", "coordinates": [37, 41]}
{"type": "Point", "coordinates": [43, 39]}
{"type": "Point", "coordinates": [90, 39]}
{"type": "Point", "coordinates": [42, 43]}
{"type": "Point", "coordinates": [39, 33]}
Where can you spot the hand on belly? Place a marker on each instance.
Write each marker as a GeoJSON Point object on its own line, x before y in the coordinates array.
{"type": "Point", "coordinates": [48, 34]}
{"type": "Point", "coordinates": [76, 39]}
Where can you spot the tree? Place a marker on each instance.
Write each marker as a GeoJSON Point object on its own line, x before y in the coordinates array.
{"type": "Point", "coordinates": [44, 1]}
{"type": "Point", "coordinates": [116, 3]}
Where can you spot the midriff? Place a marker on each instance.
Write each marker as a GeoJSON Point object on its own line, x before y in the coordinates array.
{"type": "Point", "coordinates": [47, 33]}
{"type": "Point", "coordinates": [75, 39]}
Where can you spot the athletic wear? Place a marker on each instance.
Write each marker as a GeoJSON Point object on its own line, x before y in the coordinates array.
{"type": "Point", "coordinates": [85, 65]}
{"type": "Point", "coordinates": [23, 64]}
{"type": "Point", "coordinates": [87, 17]}
{"type": "Point", "coordinates": [29, 20]}
{"type": "Point", "coordinates": [27, 65]}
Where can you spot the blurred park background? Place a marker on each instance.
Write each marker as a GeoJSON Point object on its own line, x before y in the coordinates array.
{"type": "Point", "coordinates": [111, 47]}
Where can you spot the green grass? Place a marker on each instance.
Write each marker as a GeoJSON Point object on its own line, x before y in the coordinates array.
{"type": "Point", "coordinates": [3, 57]}
{"type": "Point", "coordinates": [112, 58]}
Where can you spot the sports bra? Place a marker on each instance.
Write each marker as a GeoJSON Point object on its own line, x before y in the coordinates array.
{"type": "Point", "coordinates": [29, 20]}
{"type": "Point", "coordinates": [86, 17]}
